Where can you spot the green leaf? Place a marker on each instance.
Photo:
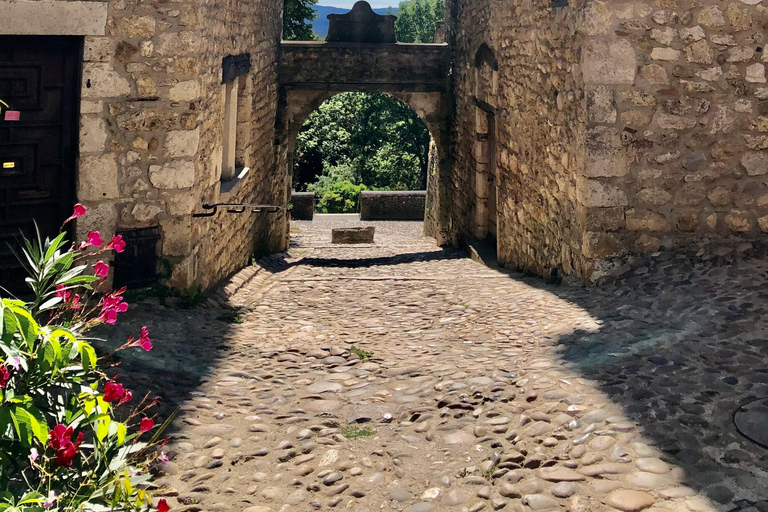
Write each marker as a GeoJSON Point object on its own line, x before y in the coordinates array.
{"type": "Point", "coordinates": [102, 427]}
{"type": "Point", "coordinates": [122, 430]}
{"type": "Point", "coordinates": [87, 356]}
{"type": "Point", "coordinates": [30, 422]}
{"type": "Point", "coordinates": [54, 246]}
{"type": "Point", "coordinates": [31, 497]}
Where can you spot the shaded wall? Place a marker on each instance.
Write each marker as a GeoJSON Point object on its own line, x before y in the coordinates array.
{"type": "Point", "coordinates": [518, 95]}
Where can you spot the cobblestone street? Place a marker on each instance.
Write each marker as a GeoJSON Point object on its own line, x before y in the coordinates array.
{"type": "Point", "coordinates": [401, 376]}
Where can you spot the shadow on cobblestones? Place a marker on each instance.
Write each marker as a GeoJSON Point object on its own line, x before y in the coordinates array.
{"type": "Point", "coordinates": [680, 348]}
{"type": "Point", "coordinates": [400, 259]}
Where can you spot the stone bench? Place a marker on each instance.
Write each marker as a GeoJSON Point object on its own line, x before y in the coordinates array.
{"type": "Point", "coordinates": [302, 205]}
{"type": "Point", "coordinates": [393, 205]}
{"type": "Point", "coordinates": [353, 235]}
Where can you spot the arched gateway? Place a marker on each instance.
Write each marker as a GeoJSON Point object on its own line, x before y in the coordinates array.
{"type": "Point", "coordinates": [361, 55]}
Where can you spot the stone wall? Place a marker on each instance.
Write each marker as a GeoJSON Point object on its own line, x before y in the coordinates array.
{"type": "Point", "coordinates": [678, 116]}
{"type": "Point", "coordinates": [393, 205]}
{"type": "Point", "coordinates": [518, 130]}
{"type": "Point", "coordinates": [152, 127]}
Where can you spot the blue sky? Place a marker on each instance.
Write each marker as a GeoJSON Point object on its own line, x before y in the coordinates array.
{"type": "Point", "coordinates": [349, 3]}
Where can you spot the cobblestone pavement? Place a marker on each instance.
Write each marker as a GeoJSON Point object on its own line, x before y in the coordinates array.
{"type": "Point", "coordinates": [400, 376]}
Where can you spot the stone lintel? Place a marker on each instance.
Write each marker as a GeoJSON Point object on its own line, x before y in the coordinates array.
{"type": "Point", "coordinates": [53, 18]}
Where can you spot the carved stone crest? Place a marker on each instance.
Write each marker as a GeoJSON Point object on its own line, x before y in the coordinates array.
{"type": "Point", "coordinates": [361, 25]}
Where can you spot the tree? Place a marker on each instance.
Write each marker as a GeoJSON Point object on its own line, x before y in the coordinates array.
{"type": "Point", "coordinates": [296, 15]}
{"type": "Point", "coordinates": [417, 20]}
{"type": "Point", "coordinates": [360, 139]}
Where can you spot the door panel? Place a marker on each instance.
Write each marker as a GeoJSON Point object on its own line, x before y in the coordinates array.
{"type": "Point", "coordinates": [39, 76]}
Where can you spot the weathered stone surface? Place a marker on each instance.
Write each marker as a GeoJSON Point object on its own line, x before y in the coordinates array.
{"type": "Point", "coordinates": [98, 178]}
{"type": "Point", "coordinates": [353, 235]}
{"type": "Point", "coordinates": [629, 501]}
{"type": "Point", "coordinates": [176, 174]}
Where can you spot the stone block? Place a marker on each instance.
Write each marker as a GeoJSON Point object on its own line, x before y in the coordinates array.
{"type": "Point", "coordinates": [600, 245]}
{"type": "Point", "coordinates": [601, 105]}
{"type": "Point", "coordinates": [302, 205]}
{"type": "Point", "coordinates": [738, 220]}
{"type": "Point", "coordinates": [53, 18]}
{"type": "Point", "coordinates": [756, 73]}
{"type": "Point", "coordinates": [93, 134]}
{"type": "Point", "coordinates": [177, 236]}
{"type": "Point", "coordinates": [187, 90]}
{"type": "Point", "coordinates": [755, 162]}
{"type": "Point", "coordinates": [644, 220]}
{"type": "Point", "coordinates": [699, 52]}
{"type": "Point", "coordinates": [101, 217]}
{"type": "Point", "coordinates": [655, 74]}
{"type": "Point", "coordinates": [173, 175]}
{"type": "Point", "coordinates": [145, 212]}
{"type": "Point", "coordinates": [609, 63]}
{"type": "Point", "coordinates": [654, 195]}
{"type": "Point", "coordinates": [645, 244]}
{"type": "Point", "coordinates": [606, 154]}
{"type": "Point", "coordinates": [392, 205]}
{"type": "Point", "coordinates": [353, 235]}
{"type": "Point", "coordinates": [97, 178]}
{"type": "Point", "coordinates": [665, 54]}
{"type": "Point", "coordinates": [101, 80]}
{"type": "Point", "coordinates": [98, 49]}
{"type": "Point", "coordinates": [138, 27]}
{"type": "Point", "coordinates": [181, 143]}
{"type": "Point", "coordinates": [602, 219]}
{"type": "Point", "coordinates": [594, 193]}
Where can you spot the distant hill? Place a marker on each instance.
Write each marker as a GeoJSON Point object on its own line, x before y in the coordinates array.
{"type": "Point", "coordinates": [320, 25]}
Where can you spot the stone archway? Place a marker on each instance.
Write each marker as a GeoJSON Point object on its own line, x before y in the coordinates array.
{"type": "Point", "coordinates": [298, 104]}
{"type": "Point", "coordinates": [484, 151]}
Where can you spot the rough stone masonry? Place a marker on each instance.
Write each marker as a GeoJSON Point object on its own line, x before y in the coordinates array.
{"type": "Point", "coordinates": [581, 137]}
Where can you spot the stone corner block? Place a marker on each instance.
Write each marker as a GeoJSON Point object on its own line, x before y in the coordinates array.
{"type": "Point", "coordinates": [97, 178]}
{"type": "Point", "coordinates": [594, 193]}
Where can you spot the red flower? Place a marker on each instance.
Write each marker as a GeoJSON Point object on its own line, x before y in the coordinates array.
{"type": "Point", "coordinates": [114, 392]}
{"type": "Point", "coordinates": [4, 376]}
{"type": "Point", "coordinates": [162, 506]}
{"type": "Point", "coordinates": [60, 439]}
{"type": "Point", "coordinates": [146, 425]}
{"type": "Point", "coordinates": [116, 243]}
{"type": "Point", "coordinates": [100, 269]}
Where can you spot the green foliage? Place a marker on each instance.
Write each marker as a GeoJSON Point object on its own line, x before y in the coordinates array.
{"type": "Point", "coordinates": [336, 192]}
{"type": "Point", "coordinates": [364, 355]}
{"type": "Point", "coordinates": [62, 446]}
{"type": "Point", "coordinates": [417, 20]}
{"type": "Point", "coordinates": [371, 140]}
{"type": "Point", "coordinates": [355, 432]}
{"type": "Point", "coordinates": [296, 15]}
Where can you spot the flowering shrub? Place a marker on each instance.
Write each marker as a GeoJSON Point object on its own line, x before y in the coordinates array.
{"type": "Point", "coordinates": [62, 446]}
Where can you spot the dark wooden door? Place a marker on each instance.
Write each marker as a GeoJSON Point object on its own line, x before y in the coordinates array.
{"type": "Point", "coordinates": [39, 77]}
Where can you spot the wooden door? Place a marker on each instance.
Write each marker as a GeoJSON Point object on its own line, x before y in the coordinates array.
{"type": "Point", "coordinates": [39, 77]}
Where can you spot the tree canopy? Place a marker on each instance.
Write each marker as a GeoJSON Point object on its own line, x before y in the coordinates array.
{"type": "Point", "coordinates": [361, 139]}
{"type": "Point", "coordinates": [297, 20]}
{"type": "Point", "coordinates": [417, 20]}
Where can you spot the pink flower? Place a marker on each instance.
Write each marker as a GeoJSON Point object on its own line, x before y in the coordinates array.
{"type": "Point", "coordinates": [143, 340]}
{"type": "Point", "coordinates": [94, 239]}
{"type": "Point", "coordinates": [14, 362]}
{"type": "Point", "coordinates": [100, 269]}
{"type": "Point", "coordinates": [50, 499]}
{"type": "Point", "coordinates": [146, 425]}
{"type": "Point", "coordinates": [71, 300]}
{"type": "Point", "coordinates": [111, 305]}
{"type": "Point", "coordinates": [33, 454]}
{"type": "Point", "coordinates": [116, 243]}
{"type": "Point", "coordinates": [162, 506]}
{"type": "Point", "coordinates": [163, 458]}
{"type": "Point", "coordinates": [79, 212]}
